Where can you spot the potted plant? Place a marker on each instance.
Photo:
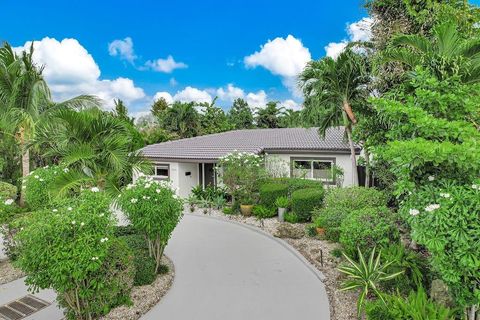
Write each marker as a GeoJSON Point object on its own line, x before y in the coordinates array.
{"type": "Point", "coordinates": [282, 205]}
{"type": "Point", "coordinates": [246, 205]}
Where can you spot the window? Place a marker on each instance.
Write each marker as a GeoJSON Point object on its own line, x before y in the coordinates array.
{"type": "Point", "coordinates": [161, 171]}
{"type": "Point", "coordinates": [312, 168]}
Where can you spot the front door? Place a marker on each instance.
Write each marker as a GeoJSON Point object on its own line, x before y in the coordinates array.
{"type": "Point", "coordinates": [207, 174]}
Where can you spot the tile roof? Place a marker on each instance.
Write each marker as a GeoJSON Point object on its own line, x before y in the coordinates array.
{"type": "Point", "coordinates": [214, 146]}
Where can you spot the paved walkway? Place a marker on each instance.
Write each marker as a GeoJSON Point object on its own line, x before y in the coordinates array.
{"type": "Point", "coordinates": [225, 270]}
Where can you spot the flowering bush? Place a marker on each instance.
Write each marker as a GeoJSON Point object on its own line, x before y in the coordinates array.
{"type": "Point", "coordinates": [154, 210]}
{"type": "Point", "coordinates": [72, 250]}
{"type": "Point", "coordinates": [8, 194]}
{"type": "Point", "coordinates": [445, 218]}
{"type": "Point", "coordinates": [37, 187]}
{"type": "Point", "coordinates": [241, 172]}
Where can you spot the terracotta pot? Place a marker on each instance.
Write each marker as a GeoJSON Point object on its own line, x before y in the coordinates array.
{"type": "Point", "coordinates": [246, 209]}
{"type": "Point", "coordinates": [320, 231]}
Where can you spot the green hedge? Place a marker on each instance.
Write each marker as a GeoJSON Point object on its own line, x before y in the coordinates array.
{"type": "Point", "coordinates": [304, 201]}
{"type": "Point", "coordinates": [7, 191]}
{"type": "Point", "coordinates": [269, 192]}
{"type": "Point", "coordinates": [294, 184]}
{"type": "Point", "coordinates": [330, 219]}
{"type": "Point", "coordinates": [368, 228]}
{"type": "Point", "coordinates": [144, 264]}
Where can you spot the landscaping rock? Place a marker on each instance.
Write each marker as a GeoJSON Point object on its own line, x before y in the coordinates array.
{"type": "Point", "coordinates": [439, 293]}
{"type": "Point", "coordinates": [288, 230]}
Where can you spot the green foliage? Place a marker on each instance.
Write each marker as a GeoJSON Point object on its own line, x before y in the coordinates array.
{"type": "Point", "coordinates": [183, 119]}
{"type": "Point", "coordinates": [416, 306]}
{"type": "Point", "coordinates": [365, 275]}
{"type": "Point", "coordinates": [72, 250]}
{"type": "Point", "coordinates": [7, 191]}
{"type": "Point", "coordinates": [240, 115]}
{"type": "Point", "coordinates": [282, 202]}
{"type": "Point", "coordinates": [269, 117]}
{"type": "Point", "coordinates": [228, 210]}
{"type": "Point", "coordinates": [144, 264]}
{"type": "Point", "coordinates": [291, 217]}
{"type": "Point", "coordinates": [210, 193]}
{"type": "Point", "coordinates": [270, 192]}
{"type": "Point", "coordinates": [38, 187]}
{"type": "Point", "coordinates": [367, 228]}
{"type": "Point", "coordinates": [444, 218]}
{"type": "Point", "coordinates": [262, 212]}
{"type": "Point", "coordinates": [213, 119]}
{"type": "Point", "coordinates": [331, 219]}
{"type": "Point", "coordinates": [154, 210]}
{"type": "Point", "coordinates": [304, 201]}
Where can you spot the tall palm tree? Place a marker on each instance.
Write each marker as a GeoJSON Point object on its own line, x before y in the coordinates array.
{"type": "Point", "coordinates": [98, 149]}
{"type": "Point", "coordinates": [183, 119]}
{"type": "Point", "coordinates": [446, 53]}
{"type": "Point", "coordinates": [26, 100]}
{"type": "Point", "coordinates": [331, 88]}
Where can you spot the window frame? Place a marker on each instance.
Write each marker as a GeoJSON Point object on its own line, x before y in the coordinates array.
{"type": "Point", "coordinates": [331, 160]}
{"type": "Point", "coordinates": [163, 166]}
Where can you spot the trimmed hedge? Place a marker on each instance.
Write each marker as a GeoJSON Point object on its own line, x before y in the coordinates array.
{"type": "Point", "coordinates": [294, 184]}
{"type": "Point", "coordinates": [269, 192]}
{"type": "Point", "coordinates": [304, 201]}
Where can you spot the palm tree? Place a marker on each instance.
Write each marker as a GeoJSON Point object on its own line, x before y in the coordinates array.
{"type": "Point", "coordinates": [98, 149]}
{"type": "Point", "coordinates": [331, 87]}
{"type": "Point", "coordinates": [269, 116]}
{"type": "Point", "coordinates": [183, 119]}
{"type": "Point", "coordinates": [445, 54]}
{"type": "Point", "coordinates": [26, 99]}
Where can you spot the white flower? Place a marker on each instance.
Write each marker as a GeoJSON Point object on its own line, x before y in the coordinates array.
{"type": "Point", "coordinates": [144, 197]}
{"type": "Point", "coordinates": [475, 187]}
{"type": "Point", "coordinates": [95, 189]}
{"type": "Point", "coordinates": [94, 258]}
{"type": "Point", "coordinates": [55, 210]}
{"type": "Point", "coordinates": [46, 167]}
{"type": "Point", "coordinates": [147, 185]}
{"type": "Point", "coordinates": [82, 224]}
{"type": "Point", "coordinates": [157, 191]}
{"type": "Point", "coordinates": [24, 187]}
{"type": "Point", "coordinates": [36, 177]}
{"type": "Point", "coordinates": [432, 207]}
{"type": "Point", "coordinates": [148, 198]}
{"type": "Point", "coordinates": [431, 178]}
{"type": "Point", "coordinates": [413, 212]}
{"type": "Point", "coordinates": [129, 186]}
{"type": "Point", "coordinates": [73, 222]}
{"type": "Point", "coordinates": [445, 195]}
{"type": "Point", "coordinates": [65, 170]}
{"type": "Point", "coordinates": [69, 208]}
{"type": "Point", "coordinates": [103, 240]}
{"type": "Point", "coordinates": [41, 179]}
{"type": "Point", "coordinates": [8, 202]}
{"type": "Point", "coordinates": [134, 200]}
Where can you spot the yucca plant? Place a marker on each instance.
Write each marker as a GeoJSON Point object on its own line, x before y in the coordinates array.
{"type": "Point", "coordinates": [365, 275]}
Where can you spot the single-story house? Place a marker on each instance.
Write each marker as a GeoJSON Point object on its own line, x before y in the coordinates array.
{"type": "Point", "coordinates": [290, 152]}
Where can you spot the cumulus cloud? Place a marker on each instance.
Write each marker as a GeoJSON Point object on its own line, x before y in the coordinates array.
{"type": "Point", "coordinates": [191, 94]}
{"type": "Point", "coordinates": [70, 71]}
{"type": "Point", "coordinates": [163, 94]}
{"type": "Point", "coordinates": [165, 65]}
{"type": "Point", "coordinates": [257, 100]}
{"type": "Point", "coordinates": [230, 93]}
{"type": "Point", "coordinates": [123, 49]}
{"type": "Point", "coordinates": [283, 57]}
{"type": "Point", "coordinates": [291, 104]}
{"type": "Point", "coordinates": [357, 31]}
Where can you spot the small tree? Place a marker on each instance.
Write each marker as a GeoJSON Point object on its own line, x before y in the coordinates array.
{"type": "Point", "coordinates": [155, 210]}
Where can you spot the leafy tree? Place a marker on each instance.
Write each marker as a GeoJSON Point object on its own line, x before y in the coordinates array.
{"type": "Point", "coordinates": [331, 87]}
{"type": "Point", "coordinates": [121, 111]}
{"type": "Point", "coordinates": [26, 101]}
{"type": "Point", "coordinates": [291, 119]}
{"type": "Point", "coordinates": [213, 119]}
{"type": "Point", "coordinates": [240, 115]}
{"type": "Point", "coordinates": [183, 119]}
{"type": "Point", "coordinates": [269, 116]}
{"type": "Point", "coordinates": [159, 108]}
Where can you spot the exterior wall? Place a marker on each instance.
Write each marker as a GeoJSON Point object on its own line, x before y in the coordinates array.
{"type": "Point", "coordinates": [186, 183]}
{"type": "Point", "coordinates": [282, 162]}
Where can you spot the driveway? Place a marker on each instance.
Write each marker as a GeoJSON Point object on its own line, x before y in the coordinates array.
{"type": "Point", "coordinates": [225, 270]}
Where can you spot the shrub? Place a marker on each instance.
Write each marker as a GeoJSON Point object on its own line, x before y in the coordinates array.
{"type": "Point", "coordinates": [154, 210]}
{"type": "Point", "coordinates": [331, 219]}
{"type": "Point", "coordinates": [415, 306]}
{"type": "Point", "coordinates": [367, 228]}
{"type": "Point", "coordinates": [354, 198]}
{"type": "Point", "coordinates": [228, 210]}
{"type": "Point", "coordinates": [38, 185]}
{"type": "Point", "coordinates": [295, 184]}
{"type": "Point", "coordinates": [269, 192]}
{"type": "Point", "coordinates": [262, 212]}
{"type": "Point", "coordinates": [291, 217]}
{"type": "Point", "coordinates": [282, 202]}
{"type": "Point", "coordinates": [305, 200]}
{"type": "Point", "coordinates": [72, 250]}
{"type": "Point", "coordinates": [7, 191]}
{"type": "Point", "coordinates": [144, 264]}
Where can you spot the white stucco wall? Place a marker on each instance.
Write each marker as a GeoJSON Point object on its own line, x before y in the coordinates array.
{"type": "Point", "coordinates": [186, 183]}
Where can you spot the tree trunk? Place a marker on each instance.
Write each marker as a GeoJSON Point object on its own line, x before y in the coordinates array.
{"type": "Point", "coordinates": [353, 157]}
{"type": "Point", "coordinates": [367, 168]}
{"type": "Point", "coordinates": [348, 110]}
{"type": "Point", "coordinates": [25, 163]}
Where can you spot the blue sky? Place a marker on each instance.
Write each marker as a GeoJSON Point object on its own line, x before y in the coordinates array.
{"type": "Point", "coordinates": [209, 43]}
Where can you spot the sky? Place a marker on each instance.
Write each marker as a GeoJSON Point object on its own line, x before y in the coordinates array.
{"type": "Point", "coordinates": [181, 50]}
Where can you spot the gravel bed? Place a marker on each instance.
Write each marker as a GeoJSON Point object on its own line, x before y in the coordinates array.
{"type": "Point", "coordinates": [8, 272]}
{"type": "Point", "coordinates": [342, 304]}
{"type": "Point", "coordinates": [145, 297]}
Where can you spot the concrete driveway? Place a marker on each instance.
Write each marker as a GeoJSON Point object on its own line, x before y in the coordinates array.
{"type": "Point", "coordinates": [225, 270]}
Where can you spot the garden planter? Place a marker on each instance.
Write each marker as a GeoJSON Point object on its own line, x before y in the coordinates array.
{"type": "Point", "coordinates": [281, 214]}
{"type": "Point", "coordinates": [320, 231]}
{"type": "Point", "coordinates": [246, 209]}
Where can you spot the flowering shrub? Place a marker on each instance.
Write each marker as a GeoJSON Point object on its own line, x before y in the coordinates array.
{"type": "Point", "coordinates": [241, 172]}
{"type": "Point", "coordinates": [8, 194]}
{"type": "Point", "coordinates": [37, 187]}
{"type": "Point", "coordinates": [72, 250]}
{"type": "Point", "coordinates": [445, 218]}
{"type": "Point", "coordinates": [154, 210]}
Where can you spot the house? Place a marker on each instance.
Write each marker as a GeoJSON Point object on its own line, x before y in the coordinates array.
{"type": "Point", "coordinates": [291, 152]}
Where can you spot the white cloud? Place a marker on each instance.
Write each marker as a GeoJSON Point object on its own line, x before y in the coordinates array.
{"type": "Point", "coordinates": [173, 82]}
{"type": "Point", "coordinates": [283, 57]}
{"type": "Point", "coordinates": [163, 94]}
{"type": "Point", "coordinates": [165, 65]}
{"type": "Point", "coordinates": [257, 100]}
{"type": "Point", "coordinates": [230, 93]}
{"type": "Point", "coordinates": [357, 31]}
{"type": "Point", "coordinates": [123, 49]}
{"type": "Point", "coordinates": [291, 104]}
{"type": "Point", "coordinates": [190, 94]}
{"type": "Point", "coordinates": [70, 71]}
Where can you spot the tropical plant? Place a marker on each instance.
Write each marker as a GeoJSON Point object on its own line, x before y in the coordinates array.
{"type": "Point", "coordinates": [262, 212]}
{"type": "Point", "coordinates": [213, 118]}
{"type": "Point", "coordinates": [183, 119]}
{"type": "Point", "coordinates": [269, 117]}
{"type": "Point", "coordinates": [332, 88]}
{"type": "Point", "coordinates": [282, 202]}
{"type": "Point", "coordinates": [240, 115]}
{"type": "Point", "coordinates": [366, 276]}
{"type": "Point", "coordinates": [154, 210]}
